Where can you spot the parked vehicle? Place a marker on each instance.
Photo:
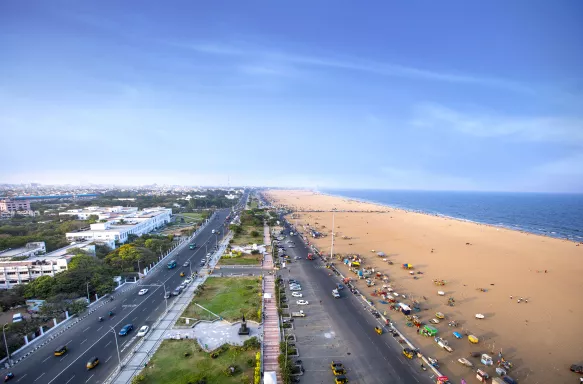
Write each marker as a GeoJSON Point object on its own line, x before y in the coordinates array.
{"type": "Point", "coordinates": [143, 330]}
{"type": "Point", "coordinates": [335, 294]}
{"type": "Point", "coordinates": [298, 314]}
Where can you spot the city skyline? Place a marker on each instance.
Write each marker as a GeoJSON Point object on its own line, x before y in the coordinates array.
{"type": "Point", "coordinates": [452, 96]}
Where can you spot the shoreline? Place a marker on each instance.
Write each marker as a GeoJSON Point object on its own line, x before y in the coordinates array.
{"type": "Point", "coordinates": [444, 216]}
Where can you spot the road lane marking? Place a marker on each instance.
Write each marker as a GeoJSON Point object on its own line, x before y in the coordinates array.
{"type": "Point", "coordinates": [108, 343]}
{"type": "Point", "coordinates": [143, 310]}
{"type": "Point", "coordinates": [21, 378]}
{"type": "Point", "coordinates": [134, 319]}
{"type": "Point", "coordinates": [69, 342]}
{"type": "Point", "coordinates": [90, 378]}
{"type": "Point", "coordinates": [108, 359]}
{"type": "Point", "coordinates": [98, 329]}
{"type": "Point", "coordinates": [83, 341]}
{"type": "Point", "coordinates": [46, 359]}
{"type": "Point", "coordinates": [62, 358]}
{"type": "Point", "coordinates": [147, 318]}
{"type": "Point", "coordinates": [70, 379]}
{"type": "Point", "coordinates": [39, 377]}
{"type": "Point", "coordinates": [86, 329]}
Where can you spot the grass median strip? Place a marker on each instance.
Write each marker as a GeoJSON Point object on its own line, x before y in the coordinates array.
{"type": "Point", "coordinates": [183, 361]}
{"type": "Point", "coordinates": [229, 297]}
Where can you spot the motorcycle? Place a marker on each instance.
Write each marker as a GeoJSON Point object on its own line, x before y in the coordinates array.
{"type": "Point", "coordinates": [9, 376]}
{"type": "Point", "coordinates": [110, 313]}
{"type": "Point", "coordinates": [100, 319]}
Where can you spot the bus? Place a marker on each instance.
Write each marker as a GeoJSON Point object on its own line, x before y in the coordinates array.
{"type": "Point", "coordinates": [172, 264]}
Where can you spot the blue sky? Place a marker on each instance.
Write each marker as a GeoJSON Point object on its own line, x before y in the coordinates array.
{"type": "Point", "coordinates": [450, 95]}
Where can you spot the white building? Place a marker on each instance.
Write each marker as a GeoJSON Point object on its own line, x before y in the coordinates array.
{"type": "Point", "coordinates": [104, 213]}
{"type": "Point", "coordinates": [118, 228]}
{"type": "Point", "coordinates": [30, 249]}
{"type": "Point", "coordinates": [22, 272]}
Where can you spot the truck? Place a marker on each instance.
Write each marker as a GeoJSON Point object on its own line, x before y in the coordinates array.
{"type": "Point", "coordinates": [335, 294]}
{"type": "Point", "coordinates": [298, 314]}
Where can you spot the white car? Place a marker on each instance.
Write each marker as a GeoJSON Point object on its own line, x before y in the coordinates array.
{"type": "Point", "coordinates": [297, 294]}
{"type": "Point", "coordinates": [295, 288]}
{"type": "Point", "coordinates": [143, 292]}
{"type": "Point", "coordinates": [301, 302]}
{"type": "Point", "coordinates": [188, 281]}
{"type": "Point", "coordinates": [143, 330]}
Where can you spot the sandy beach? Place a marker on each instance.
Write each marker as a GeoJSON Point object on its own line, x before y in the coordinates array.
{"type": "Point", "coordinates": [541, 335]}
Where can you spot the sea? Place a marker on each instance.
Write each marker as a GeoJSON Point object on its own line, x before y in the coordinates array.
{"type": "Point", "coordinates": [555, 215]}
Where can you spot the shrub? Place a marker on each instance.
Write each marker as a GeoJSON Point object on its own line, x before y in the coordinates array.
{"type": "Point", "coordinates": [250, 363]}
{"type": "Point", "coordinates": [138, 379]}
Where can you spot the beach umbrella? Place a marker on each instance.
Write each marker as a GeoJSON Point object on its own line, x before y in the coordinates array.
{"type": "Point", "coordinates": [381, 254]}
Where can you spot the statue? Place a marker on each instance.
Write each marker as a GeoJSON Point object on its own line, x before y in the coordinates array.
{"type": "Point", "coordinates": [243, 330]}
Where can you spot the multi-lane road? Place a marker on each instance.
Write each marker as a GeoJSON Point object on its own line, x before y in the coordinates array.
{"type": "Point", "coordinates": [90, 337]}
{"type": "Point", "coordinates": [375, 359]}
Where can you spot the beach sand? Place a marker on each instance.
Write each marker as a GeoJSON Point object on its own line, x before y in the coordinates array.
{"type": "Point", "coordinates": [542, 337]}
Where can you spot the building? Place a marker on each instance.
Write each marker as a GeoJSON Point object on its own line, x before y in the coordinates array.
{"type": "Point", "coordinates": [11, 205]}
{"type": "Point", "coordinates": [23, 271]}
{"type": "Point", "coordinates": [103, 213]}
{"type": "Point", "coordinates": [117, 229]}
{"type": "Point", "coordinates": [30, 249]}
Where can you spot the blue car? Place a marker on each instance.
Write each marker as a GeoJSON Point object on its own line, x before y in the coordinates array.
{"type": "Point", "coordinates": [457, 335]}
{"type": "Point", "coordinates": [126, 329]}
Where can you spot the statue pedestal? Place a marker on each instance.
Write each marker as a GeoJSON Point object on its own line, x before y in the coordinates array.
{"type": "Point", "coordinates": [243, 330]}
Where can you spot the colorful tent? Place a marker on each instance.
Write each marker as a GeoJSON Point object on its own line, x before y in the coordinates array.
{"type": "Point", "coordinates": [407, 266]}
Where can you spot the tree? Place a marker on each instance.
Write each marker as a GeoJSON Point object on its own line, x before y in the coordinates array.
{"type": "Point", "coordinates": [12, 297]}
{"type": "Point", "coordinates": [93, 219]}
{"type": "Point", "coordinates": [40, 288]}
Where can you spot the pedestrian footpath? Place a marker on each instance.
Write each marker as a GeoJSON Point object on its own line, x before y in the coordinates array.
{"type": "Point", "coordinates": [271, 331]}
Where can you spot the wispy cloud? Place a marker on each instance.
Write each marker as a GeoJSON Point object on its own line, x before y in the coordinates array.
{"type": "Point", "coordinates": [350, 64]}
{"type": "Point", "coordinates": [545, 128]}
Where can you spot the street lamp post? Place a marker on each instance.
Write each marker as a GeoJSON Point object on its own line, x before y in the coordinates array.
{"type": "Point", "coordinates": [165, 299]}
{"type": "Point", "coordinates": [88, 299]}
{"type": "Point", "coordinates": [6, 344]}
{"type": "Point", "coordinates": [116, 345]}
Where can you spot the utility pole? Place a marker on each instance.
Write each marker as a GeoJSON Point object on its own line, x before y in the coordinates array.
{"type": "Point", "coordinates": [116, 345]}
{"type": "Point", "coordinates": [6, 344]}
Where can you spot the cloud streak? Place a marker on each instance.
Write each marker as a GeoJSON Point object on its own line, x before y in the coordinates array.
{"type": "Point", "coordinates": [536, 129]}
{"type": "Point", "coordinates": [350, 64]}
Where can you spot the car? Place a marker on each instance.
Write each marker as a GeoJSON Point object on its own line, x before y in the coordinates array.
{"type": "Point", "coordinates": [295, 285]}
{"type": "Point", "coordinates": [338, 371]}
{"type": "Point", "coordinates": [336, 364]}
{"type": "Point", "coordinates": [577, 368]}
{"type": "Point", "coordinates": [61, 350]}
{"type": "Point", "coordinates": [126, 329]}
{"type": "Point", "coordinates": [296, 294]}
{"type": "Point", "coordinates": [192, 246]}
{"type": "Point", "coordinates": [202, 263]}
{"type": "Point", "coordinates": [143, 330]}
{"type": "Point", "coordinates": [340, 379]}
{"type": "Point", "coordinates": [188, 281]}
{"type": "Point", "coordinates": [209, 255]}
{"type": "Point", "coordinates": [186, 264]}
{"type": "Point", "coordinates": [295, 288]}
{"type": "Point", "coordinates": [177, 291]}
{"type": "Point", "coordinates": [143, 292]}
{"type": "Point", "coordinates": [301, 302]}
{"type": "Point", "coordinates": [92, 363]}
{"type": "Point", "coordinates": [167, 295]}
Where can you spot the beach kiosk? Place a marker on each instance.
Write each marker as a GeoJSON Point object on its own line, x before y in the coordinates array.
{"type": "Point", "coordinates": [405, 308]}
{"type": "Point", "coordinates": [486, 359]}
{"type": "Point", "coordinates": [482, 376]}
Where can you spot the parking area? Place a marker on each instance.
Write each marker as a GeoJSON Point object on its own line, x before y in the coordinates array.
{"type": "Point", "coordinates": [313, 337]}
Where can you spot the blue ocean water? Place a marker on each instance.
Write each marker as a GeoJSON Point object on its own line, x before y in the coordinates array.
{"type": "Point", "coordinates": [556, 215]}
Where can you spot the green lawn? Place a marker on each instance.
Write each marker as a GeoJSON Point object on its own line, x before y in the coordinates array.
{"type": "Point", "coordinates": [245, 238]}
{"type": "Point", "coordinates": [228, 297]}
{"type": "Point", "coordinates": [170, 366]}
{"type": "Point", "coordinates": [193, 217]}
{"type": "Point", "coordinates": [245, 259]}
{"type": "Point", "coordinates": [253, 204]}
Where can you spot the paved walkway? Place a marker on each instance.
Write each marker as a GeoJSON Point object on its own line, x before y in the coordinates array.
{"type": "Point", "coordinates": [271, 333]}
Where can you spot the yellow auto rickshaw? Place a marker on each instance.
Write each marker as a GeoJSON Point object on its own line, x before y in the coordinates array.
{"type": "Point", "coordinates": [440, 315]}
{"type": "Point", "coordinates": [378, 330]}
{"type": "Point", "coordinates": [340, 379]}
{"type": "Point", "coordinates": [182, 274]}
{"type": "Point", "coordinates": [338, 371]}
{"type": "Point", "coordinates": [61, 350]}
{"type": "Point", "coordinates": [408, 353]}
{"type": "Point", "coordinates": [92, 363]}
{"type": "Point", "coordinates": [473, 339]}
{"type": "Point", "coordinates": [336, 364]}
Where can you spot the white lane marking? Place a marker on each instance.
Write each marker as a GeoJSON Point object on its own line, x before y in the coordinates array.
{"type": "Point", "coordinates": [134, 319]}
{"type": "Point", "coordinates": [98, 329]}
{"type": "Point", "coordinates": [108, 343]}
{"type": "Point", "coordinates": [90, 378]}
{"type": "Point", "coordinates": [108, 359]}
{"type": "Point", "coordinates": [70, 341]}
{"type": "Point", "coordinates": [86, 329]}
{"type": "Point", "coordinates": [46, 359]}
{"type": "Point", "coordinates": [147, 318]}
{"type": "Point", "coordinates": [70, 379]}
{"type": "Point", "coordinates": [62, 358]}
{"type": "Point", "coordinates": [143, 310]}
{"type": "Point", "coordinates": [39, 377]}
{"type": "Point", "coordinates": [21, 378]}
{"type": "Point", "coordinates": [83, 341]}
{"type": "Point", "coordinates": [153, 301]}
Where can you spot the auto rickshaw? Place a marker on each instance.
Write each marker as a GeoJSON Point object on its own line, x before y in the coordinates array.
{"type": "Point", "coordinates": [61, 350]}
{"type": "Point", "coordinates": [92, 363]}
{"type": "Point", "coordinates": [336, 364]}
{"type": "Point", "coordinates": [408, 353]}
{"type": "Point", "coordinates": [339, 371]}
{"type": "Point", "coordinates": [340, 379]}
{"type": "Point", "coordinates": [378, 330]}
{"type": "Point", "coordinates": [439, 315]}
{"type": "Point", "coordinates": [182, 274]}
{"type": "Point", "coordinates": [473, 339]}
